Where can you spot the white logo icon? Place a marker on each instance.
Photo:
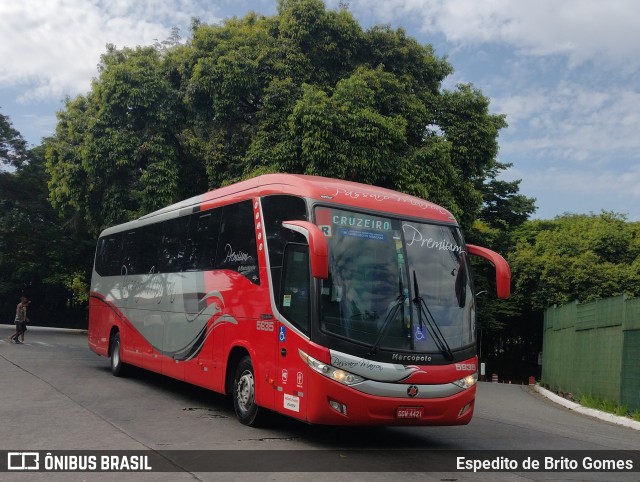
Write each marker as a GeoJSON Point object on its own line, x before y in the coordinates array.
{"type": "Point", "coordinates": [23, 461]}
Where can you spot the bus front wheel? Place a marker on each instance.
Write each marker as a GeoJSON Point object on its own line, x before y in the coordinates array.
{"type": "Point", "coordinates": [244, 394]}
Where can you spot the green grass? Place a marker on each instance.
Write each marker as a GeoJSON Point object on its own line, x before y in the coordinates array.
{"type": "Point", "coordinates": [604, 405]}
{"type": "Point", "coordinates": [609, 406]}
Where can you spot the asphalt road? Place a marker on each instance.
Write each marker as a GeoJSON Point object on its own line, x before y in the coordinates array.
{"type": "Point", "coordinates": [55, 394]}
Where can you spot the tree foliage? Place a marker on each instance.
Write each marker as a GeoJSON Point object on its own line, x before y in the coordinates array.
{"type": "Point", "coordinates": [117, 151]}
{"type": "Point", "coordinates": [304, 91]}
{"type": "Point", "coordinates": [575, 257]}
{"type": "Point", "coordinates": [13, 147]}
{"type": "Point", "coordinates": [38, 250]}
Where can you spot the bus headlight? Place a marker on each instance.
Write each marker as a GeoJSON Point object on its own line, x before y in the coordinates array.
{"type": "Point", "coordinates": [468, 381]}
{"type": "Point", "coordinates": [331, 372]}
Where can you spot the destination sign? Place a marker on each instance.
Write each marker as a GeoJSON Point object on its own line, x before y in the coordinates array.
{"type": "Point", "coordinates": [353, 221]}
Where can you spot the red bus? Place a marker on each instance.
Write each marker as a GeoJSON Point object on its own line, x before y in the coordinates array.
{"type": "Point", "coordinates": [329, 301]}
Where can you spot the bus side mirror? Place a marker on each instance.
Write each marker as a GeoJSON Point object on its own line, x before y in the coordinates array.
{"type": "Point", "coordinates": [318, 246]}
{"type": "Point", "coordinates": [503, 273]}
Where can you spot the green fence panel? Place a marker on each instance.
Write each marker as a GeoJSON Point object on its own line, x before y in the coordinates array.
{"type": "Point", "coordinates": [594, 348]}
{"type": "Point", "coordinates": [606, 363]}
{"type": "Point", "coordinates": [583, 368]}
{"type": "Point", "coordinates": [630, 390]}
{"type": "Point", "coordinates": [586, 316]}
{"type": "Point", "coordinates": [632, 314]}
{"type": "Point", "coordinates": [610, 311]}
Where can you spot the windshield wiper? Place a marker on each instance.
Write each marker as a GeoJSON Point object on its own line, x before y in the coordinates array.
{"type": "Point", "coordinates": [391, 314]}
{"type": "Point", "coordinates": [432, 326]}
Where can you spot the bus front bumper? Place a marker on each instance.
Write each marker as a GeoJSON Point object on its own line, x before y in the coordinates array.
{"type": "Point", "coordinates": [413, 405]}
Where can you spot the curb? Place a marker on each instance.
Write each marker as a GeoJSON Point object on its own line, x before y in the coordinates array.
{"type": "Point", "coordinates": [576, 407]}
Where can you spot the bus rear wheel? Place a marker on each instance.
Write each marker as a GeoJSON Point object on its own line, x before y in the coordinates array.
{"type": "Point", "coordinates": [118, 367]}
{"type": "Point", "coordinates": [244, 394]}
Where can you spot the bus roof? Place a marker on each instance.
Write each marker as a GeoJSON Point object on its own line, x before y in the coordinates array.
{"type": "Point", "coordinates": [345, 193]}
{"type": "Point", "coordinates": [323, 189]}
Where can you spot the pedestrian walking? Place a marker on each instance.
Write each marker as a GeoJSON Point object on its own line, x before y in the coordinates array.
{"type": "Point", "coordinates": [21, 320]}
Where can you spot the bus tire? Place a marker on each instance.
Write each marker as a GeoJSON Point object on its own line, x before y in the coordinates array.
{"type": "Point", "coordinates": [118, 367]}
{"type": "Point", "coordinates": [244, 394]}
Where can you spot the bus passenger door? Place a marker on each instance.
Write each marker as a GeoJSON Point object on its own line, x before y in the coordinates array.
{"type": "Point", "coordinates": [295, 306]}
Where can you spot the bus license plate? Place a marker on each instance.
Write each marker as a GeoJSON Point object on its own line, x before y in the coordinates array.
{"type": "Point", "coordinates": [409, 412]}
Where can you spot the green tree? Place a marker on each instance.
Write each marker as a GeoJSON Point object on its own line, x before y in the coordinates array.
{"type": "Point", "coordinates": [575, 257]}
{"type": "Point", "coordinates": [504, 208]}
{"type": "Point", "coordinates": [503, 211]}
{"type": "Point", "coordinates": [38, 251]}
{"type": "Point", "coordinates": [117, 152]}
{"type": "Point", "coordinates": [13, 147]}
{"type": "Point", "coordinates": [304, 91]}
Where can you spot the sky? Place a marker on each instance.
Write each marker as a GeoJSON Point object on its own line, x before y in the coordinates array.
{"type": "Point", "coordinates": [565, 74]}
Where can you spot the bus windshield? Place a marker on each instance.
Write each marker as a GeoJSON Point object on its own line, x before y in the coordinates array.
{"type": "Point", "coordinates": [376, 264]}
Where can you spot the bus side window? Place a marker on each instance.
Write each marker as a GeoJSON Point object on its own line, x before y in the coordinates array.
{"type": "Point", "coordinates": [294, 302]}
{"type": "Point", "coordinates": [130, 244]}
{"type": "Point", "coordinates": [203, 240]}
{"type": "Point", "coordinates": [109, 255]}
{"type": "Point", "coordinates": [174, 243]}
{"type": "Point", "coordinates": [237, 250]}
{"type": "Point", "coordinates": [149, 238]}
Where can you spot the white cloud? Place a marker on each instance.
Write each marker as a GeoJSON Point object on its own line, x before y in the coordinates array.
{"type": "Point", "coordinates": [589, 182]}
{"type": "Point", "coordinates": [54, 46]}
{"type": "Point", "coordinates": [585, 30]}
{"type": "Point", "coordinates": [564, 188]}
{"type": "Point", "coordinates": [572, 121]}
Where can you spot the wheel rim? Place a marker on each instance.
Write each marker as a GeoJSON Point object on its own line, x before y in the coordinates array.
{"type": "Point", "coordinates": [245, 391]}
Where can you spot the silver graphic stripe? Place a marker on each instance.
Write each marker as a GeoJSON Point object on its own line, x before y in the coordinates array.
{"type": "Point", "coordinates": [400, 390]}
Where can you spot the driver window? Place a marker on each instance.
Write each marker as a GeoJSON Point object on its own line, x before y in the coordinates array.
{"type": "Point", "coordinates": [294, 301]}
